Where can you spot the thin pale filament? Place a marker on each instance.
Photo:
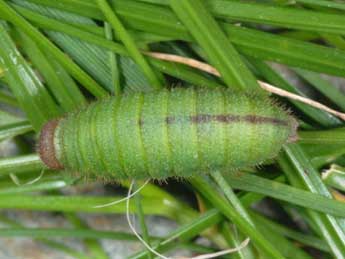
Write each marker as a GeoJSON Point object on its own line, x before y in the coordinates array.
{"type": "Point", "coordinates": [270, 88]}
{"type": "Point", "coordinates": [124, 199]}
{"type": "Point", "coordinates": [205, 256]}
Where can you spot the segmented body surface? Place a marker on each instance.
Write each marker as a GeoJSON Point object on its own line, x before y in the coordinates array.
{"type": "Point", "coordinates": [181, 133]}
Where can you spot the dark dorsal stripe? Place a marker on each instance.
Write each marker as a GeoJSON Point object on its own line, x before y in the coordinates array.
{"type": "Point", "coordinates": [228, 119]}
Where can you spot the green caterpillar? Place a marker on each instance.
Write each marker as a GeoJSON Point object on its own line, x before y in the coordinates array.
{"type": "Point", "coordinates": [156, 135]}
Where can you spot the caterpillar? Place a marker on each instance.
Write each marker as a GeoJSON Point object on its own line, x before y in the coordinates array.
{"type": "Point", "coordinates": [182, 133]}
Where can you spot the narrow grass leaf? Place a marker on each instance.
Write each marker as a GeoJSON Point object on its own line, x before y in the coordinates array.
{"type": "Point", "coordinates": [207, 191]}
{"type": "Point", "coordinates": [30, 93]}
{"type": "Point", "coordinates": [84, 52]}
{"type": "Point", "coordinates": [233, 237]}
{"type": "Point", "coordinates": [297, 53]}
{"type": "Point", "coordinates": [323, 3]}
{"type": "Point", "coordinates": [90, 57]}
{"type": "Point", "coordinates": [337, 41]}
{"type": "Point", "coordinates": [7, 118]}
{"type": "Point", "coordinates": [323, 86]}
{"type": "Point", "coordinates": [215, 44]}
{"type": "Point", "coordinates": [14, 129]}
{"type": "Point", "coordinates": [284, 192]}
{"type": "Point", "coordinates": [66, 233]}
{"type": "Point", "coordinates": [38, 187]}
{"type": "Point", "coordinates": [302, 238]}
{"type": "Point", "coordinates": [6, 98]}
{"type": "Point", "coordinates": [92, 245]}
{"type": "Point", "coordinates": [293, 161]}
{"type": "Point", "coordinates": [231, 196]}
{"type": "Point", "coordinates": [237, 205]}
{"type": "Point", "coordinates": [276, 15]}
{"type": "Point", "coordinates": [64, 249]}
{"type": "Point", "coordinates": [335, 177]}
{"type": "Point", "coordinates": [184, 73]}
{"type": "Point", "coordinates": [254, 43]}
{"type": "Point", "coordinates": [58, 81]}
{"type": "Point", "coordinates": [113, 61]}
{"type": "Point", "coordinates": [152, 206]}
{"type": "Point", "coordinates": [324, 137]}
{"type": "Point", "coordinates": [185, 232]}
{"type": "Point", "coordinates": [308, 20]}
{"type": "Point", "coordinates": [285, 246]}
{"type": "Point", "coordinates": [52, 244]}
{"type": "Point", "coordinates": [12, 16]}
{"type": "Point", "coordinates": [129, 43]}
{"type": "Point", "coordinates": [141, 216]}
{"type": "Point", "coordinates": [273, 77]}
{"type": "Point", "coordinates": [20, 164]}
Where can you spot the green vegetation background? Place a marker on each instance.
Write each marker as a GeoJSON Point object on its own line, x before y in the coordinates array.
{"type": "Point", "coordinates": [56, 56]}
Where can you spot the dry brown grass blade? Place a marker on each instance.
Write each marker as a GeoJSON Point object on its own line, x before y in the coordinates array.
{"type": "Point", "coordinates": [267, 87]}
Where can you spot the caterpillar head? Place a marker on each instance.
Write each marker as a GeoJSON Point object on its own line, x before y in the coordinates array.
{"type": "Point", "coordinates": [46, 148]}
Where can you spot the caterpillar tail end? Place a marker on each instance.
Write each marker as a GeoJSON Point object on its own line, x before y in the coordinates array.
{"type": "Point", "coordinates": [46, 148]}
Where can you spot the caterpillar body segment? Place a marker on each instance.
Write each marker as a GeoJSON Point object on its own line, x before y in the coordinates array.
{"type": "Point", "coordinates": [181, 133]}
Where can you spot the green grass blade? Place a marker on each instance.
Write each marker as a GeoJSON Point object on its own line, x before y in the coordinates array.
{"type": "Point", "coordinates": [177, 70]}
{"type": "Point", "coordinates": [231, 196]}
{"type": "Point", "coordinates": [274, 189]}
{"type": "Point", "coordinates": [90, 57]}
{"type": "Point", "coordinates": [152, 206]}
{"type": "Point", "coordinates": [113, 61]}
{"type": "Point", "coordinates": [212, 39]}
{"type": "Point", "coordinates": [20, 164]}
{"type": "Point", "coordinates": [236, 204]}
{"type": "Point", "coordinates": [184, 73]}
{"type": "Point", "coordinates": [271, 76]}
{"type": "Point", "coordinates": [294, 160]}
{"type": "Point", "coordinates": [297, 53]}
{"type": "Point", "coordinates": [323, 3]}
{"type": "Point", "coordinates": [335, 40]}
{"type": "Point", "coordinates": [276, 15]}
{"type": "Point", "coordinates": [220, 203]}
{"type": "Point", "coordinates": [286, 247]}
{"type": "Point", "coordinates": [323, 86]}
{"type": "Point", "coordinates": [308, 240]}
{"type": "Point", "coordinates": [254, 43]}
{"type": "Point", "coordinates": [12, 16]}
{"type": "Point", "coordinates": [321, 155]}
{"type": "Point", "coordinates": [31, 95]}
{"type": "Point", "coordinates": [128, 42]}
{"type": "Point", "coordinates": [52, 244]}
{"type": "Point", "coordinates": [65, 249]}
{"type": "Point", "coordinates": [58, 81]}
{"type": "Point", "coordinates": [335, 177]}
{"type": "Point", "coordinates": [279, 16]}
{"type": "Point", "coordinates": [185, 232]}
{"type": "Point", "coordinates": [300, 35]}
{"type": "Point", "coordinates": [38, 187]}
{"type": "Point", "coordinates": [234, 238]}
{"type": "Point", "coordinates": [141, 216]}
{"type": "Point", "coordinates": [93, 246]}
{"type": "Point", "coordinates": [325, 137]}
{"type": "Point", "coordinates": [66, 233]}
{"type": "Point", "coordinates": [6, 98]}
{"type": "Point", "coordinates": [14, 129]}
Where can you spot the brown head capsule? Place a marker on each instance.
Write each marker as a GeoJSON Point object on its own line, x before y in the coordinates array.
{"type": "Point", "coordinates": [46, 146]}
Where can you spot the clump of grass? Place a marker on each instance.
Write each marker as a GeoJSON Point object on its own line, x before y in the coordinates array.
{"type": "Point", "coordinates": [56, 56]}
